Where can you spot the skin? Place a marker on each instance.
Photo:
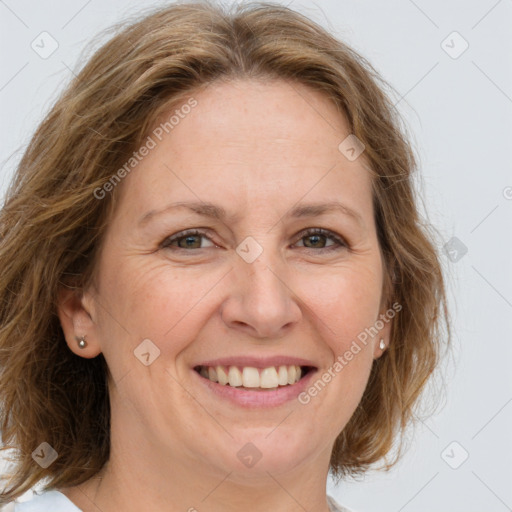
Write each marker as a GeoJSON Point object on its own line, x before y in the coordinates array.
{"type": "Point", "coordinates": [255, 149]}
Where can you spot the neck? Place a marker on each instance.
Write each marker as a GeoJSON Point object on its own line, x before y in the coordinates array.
{"type": "Point", "coordinates": [142, 474]}
{"type": "Point", "coordinates": [130, 481]}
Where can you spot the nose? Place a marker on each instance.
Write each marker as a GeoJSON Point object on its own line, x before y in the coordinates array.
{"type": "Point", "coordinates": [262, 303]}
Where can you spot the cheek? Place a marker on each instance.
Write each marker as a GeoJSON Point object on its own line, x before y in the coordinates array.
{"type": "Point", "coordinates": [151, 300]}
{"type": "Point", "coordinates": [350, 301]}
{"type": "Point", "coordinates": [347, 302]}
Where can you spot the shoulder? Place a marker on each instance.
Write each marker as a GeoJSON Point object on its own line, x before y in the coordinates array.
{"type": "Point", "coordinates": [49, 501]}
{"type": "Point", "coordinates": [336, 507]}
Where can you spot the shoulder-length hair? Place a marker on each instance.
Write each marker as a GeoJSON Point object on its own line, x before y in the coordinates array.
{"type": "Point", "coordinates": [52, 223]}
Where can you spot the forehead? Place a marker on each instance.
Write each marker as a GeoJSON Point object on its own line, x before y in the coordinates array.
{"type": "Point", "coordinates": [249, 143]}
{"type": "Point", "coordinates": [271, 119]}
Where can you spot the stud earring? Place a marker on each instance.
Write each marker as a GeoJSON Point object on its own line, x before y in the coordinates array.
{"type": "Point", "coordinates": [382, 344]}
{"type": "Point", "coordinates": [81, 341]}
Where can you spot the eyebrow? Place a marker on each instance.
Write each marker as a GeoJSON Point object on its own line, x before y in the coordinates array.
{"type": "Point", "coordinates": [206, 209]}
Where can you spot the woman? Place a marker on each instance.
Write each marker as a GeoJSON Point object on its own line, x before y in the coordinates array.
{"type": "Point", "coordinates": [216, 287]}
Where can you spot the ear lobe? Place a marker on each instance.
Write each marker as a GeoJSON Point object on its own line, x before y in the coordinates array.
{"type": "Point", "coordinates": [76, 321]}
{"type": "Point", "coordinates": [383, 334]}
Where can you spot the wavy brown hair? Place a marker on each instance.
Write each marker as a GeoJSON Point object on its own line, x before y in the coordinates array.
{"type": "Point", "coordinates": [52, 224]}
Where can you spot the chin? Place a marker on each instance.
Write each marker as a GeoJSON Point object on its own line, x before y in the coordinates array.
{"type": "Point", "coordinates": [273, 450]}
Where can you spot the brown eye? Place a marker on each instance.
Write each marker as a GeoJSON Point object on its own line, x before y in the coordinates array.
{"type": "Point", "coordinates": [317, 239]}
{"type": "Point", "coordinates": [186, 240]}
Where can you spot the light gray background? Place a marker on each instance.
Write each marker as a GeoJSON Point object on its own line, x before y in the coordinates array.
{"type": "Point", "coordinates": [460, 113]}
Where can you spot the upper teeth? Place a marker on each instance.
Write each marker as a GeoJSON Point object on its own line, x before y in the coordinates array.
{"type": "Point", "coordinates": [251, 377]}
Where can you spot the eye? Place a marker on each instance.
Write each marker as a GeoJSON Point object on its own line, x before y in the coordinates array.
{"type": "Point", "coordinates": [190, 239]}
{"type": "Point", "coordinates": [318, 237]}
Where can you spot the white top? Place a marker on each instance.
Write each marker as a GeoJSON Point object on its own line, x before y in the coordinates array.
{"type": "Point", "coordinates": [55, 501]}
{"type": "Point", "coordinates": [50, 501]}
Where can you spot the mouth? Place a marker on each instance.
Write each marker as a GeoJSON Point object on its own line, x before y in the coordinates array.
{"type": "Point", "coordinates": [250, 378]}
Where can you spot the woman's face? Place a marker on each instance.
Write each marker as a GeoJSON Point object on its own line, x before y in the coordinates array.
{"type": "Point", "coordinates": [253, 291]}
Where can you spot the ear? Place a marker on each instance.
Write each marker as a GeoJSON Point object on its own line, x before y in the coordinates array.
{"type": "Point", "coordinates": [387, 311]}
{"type": "Point", "coordinates": [76, 312]}
{"type": "Point", "coordinates": [383, 324]}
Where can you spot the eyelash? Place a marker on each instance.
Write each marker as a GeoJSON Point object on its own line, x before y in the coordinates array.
{"type": "Point", "coordinates": [341, 244]}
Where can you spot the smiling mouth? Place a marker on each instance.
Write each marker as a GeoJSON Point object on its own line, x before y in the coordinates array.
{"type": "Point", "coordinates": [254, 379]}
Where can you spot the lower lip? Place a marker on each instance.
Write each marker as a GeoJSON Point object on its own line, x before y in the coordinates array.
{"type": "Point", "coordinates": [252, 399]}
